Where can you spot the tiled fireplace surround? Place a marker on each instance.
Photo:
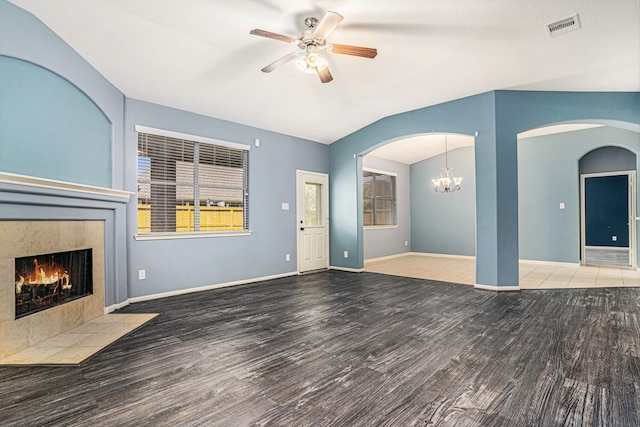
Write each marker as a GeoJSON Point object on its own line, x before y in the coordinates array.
{"type": "Point", "coordinates": [31, 238]}
{"type": "Point", "coordinates": [41, 216]}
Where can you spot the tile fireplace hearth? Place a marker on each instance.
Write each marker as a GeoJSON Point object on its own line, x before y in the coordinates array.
{"type": "Point", "coordinates": [78, 344]}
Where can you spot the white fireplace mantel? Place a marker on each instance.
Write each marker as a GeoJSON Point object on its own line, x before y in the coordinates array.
{"type": "Point", "coordinates": [37, 185]}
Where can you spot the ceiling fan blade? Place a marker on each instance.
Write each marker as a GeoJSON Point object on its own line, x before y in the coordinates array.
{"type": "Point", "coordinates": [324, 74]}
{"type": "Point", "coordinates": [275, 64]}
{"type": "Point", "coordinates": [274, 36]}
{"type": "Point", "coordinates": [345, 49]}
{"type": "Point", "coordinates": [327, 24]}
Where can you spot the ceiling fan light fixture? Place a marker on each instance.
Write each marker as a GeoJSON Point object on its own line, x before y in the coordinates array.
{"type": "Point", "coordinates": [311, 43]}
{"type": "Point", "coordinates": [311, 62]}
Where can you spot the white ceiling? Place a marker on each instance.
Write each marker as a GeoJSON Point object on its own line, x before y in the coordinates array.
{"type": "Point", "coordinates": [417, 148]}
{"type": "Point", "coordinates": [197, 55]}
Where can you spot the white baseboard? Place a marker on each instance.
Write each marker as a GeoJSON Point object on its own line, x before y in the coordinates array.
{"type": "Point", "coordinates": [497, 288]}
{"type": "Point", "coordinates": [441, 255]}
{"type": "Point", "coordinates": [383, 258]}
{"type": "Point", "coordinates": [350, 270]}
{"type": "Point", "coordinates": [115, 307]}
{"type": "Point", "coordinates": [200, 289]}
{"type": "Point", "coordinates": [472, 257]}
{"type": "Point", "coordinates": [550, 263]}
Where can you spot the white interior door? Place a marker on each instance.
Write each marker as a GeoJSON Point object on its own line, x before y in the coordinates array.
{"type": "Point", "coordinates": [312, 221]}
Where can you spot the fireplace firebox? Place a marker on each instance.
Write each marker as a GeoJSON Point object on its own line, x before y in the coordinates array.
{"type": "Point", "coordinates": [44, 281]}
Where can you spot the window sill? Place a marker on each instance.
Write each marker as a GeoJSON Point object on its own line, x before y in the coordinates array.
{"type": "Point", "coordinates": [379, 227]}
{"type": "Point", "coordinates": [203, 235]}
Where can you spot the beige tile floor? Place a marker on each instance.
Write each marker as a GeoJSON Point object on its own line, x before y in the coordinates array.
{"type": "Point", "coordinates": [533, 275]}
{"type": "Point", "coordinates": [77, 344]}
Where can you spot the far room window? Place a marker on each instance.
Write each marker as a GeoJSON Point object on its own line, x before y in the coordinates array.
{"type": "Point", "coordinates": [190, 184]}
{"type": "Point", "coordinates": [379, 197]}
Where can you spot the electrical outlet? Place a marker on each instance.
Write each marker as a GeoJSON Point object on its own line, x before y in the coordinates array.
{"type": "Point", "coordinates": [287, 257]}
{"type": "Point", "coordinates": [406, 243]}
{"type": "Point", "coordinates": [142, 274]}
{"type": "Point", "coordinates": [614, 238]}
{"type": "Point", "coordinates": [346, 254]}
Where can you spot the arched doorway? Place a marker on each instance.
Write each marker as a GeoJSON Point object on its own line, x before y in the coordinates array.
{"type": "Point", "coordinates": [426, 222]}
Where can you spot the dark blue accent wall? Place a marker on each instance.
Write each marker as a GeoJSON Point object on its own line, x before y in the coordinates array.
{"type": "Point", "coordinates": [607, 211]}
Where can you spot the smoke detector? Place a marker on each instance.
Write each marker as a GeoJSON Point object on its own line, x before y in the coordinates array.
{"type": "Point", "coordinates": [565, 25]}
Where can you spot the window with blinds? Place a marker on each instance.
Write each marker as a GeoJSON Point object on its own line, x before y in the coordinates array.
{"type": "Point", "coordinates": [191, 186]}
{"type": "Point", "coordinates": [379, 197]}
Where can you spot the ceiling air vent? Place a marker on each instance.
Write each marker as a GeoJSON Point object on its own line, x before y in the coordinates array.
{"type": "Point", "coordinates": [562, 26]}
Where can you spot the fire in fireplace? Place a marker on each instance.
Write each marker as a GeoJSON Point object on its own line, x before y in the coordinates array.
{"type": "Point", "coordinates": [44, 281]}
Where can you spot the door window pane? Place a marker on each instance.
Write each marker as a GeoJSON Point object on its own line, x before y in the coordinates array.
{"type": "Point", "coordinates": [312, 204]}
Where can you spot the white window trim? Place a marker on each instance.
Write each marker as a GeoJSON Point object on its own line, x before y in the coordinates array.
{"type": "Point", "coordinates": [195, 138]}
{"type": "Point", "coordinates": [192, 235]}
{"type": "Point", "coordinates": [380, 171]}
{"type": "Point", "coordinates": [380, 227]}
{"type": "Point", "coordinates": [383, 227]}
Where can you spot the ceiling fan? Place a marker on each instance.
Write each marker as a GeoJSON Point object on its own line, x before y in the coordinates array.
{"type": "Point", "coordinates": [310, 44]}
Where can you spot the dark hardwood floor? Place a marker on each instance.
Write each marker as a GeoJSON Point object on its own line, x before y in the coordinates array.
{"type": "Point", "coordinates": [348, 349]}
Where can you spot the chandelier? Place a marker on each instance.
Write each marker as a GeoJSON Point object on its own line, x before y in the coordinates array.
{"type": "Point", "coordinates": [444, 183]}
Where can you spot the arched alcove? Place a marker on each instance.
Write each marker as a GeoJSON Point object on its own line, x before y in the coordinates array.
{"type": "Point", "coordinates": [51, 129]}
{"type": "Point", "coordinates": [607, 159]}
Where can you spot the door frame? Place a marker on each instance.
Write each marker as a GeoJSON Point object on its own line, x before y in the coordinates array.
{"type": "Point", "coordinates": [300, 181]}
{"type": "Point", "coordinates": [631, 174]}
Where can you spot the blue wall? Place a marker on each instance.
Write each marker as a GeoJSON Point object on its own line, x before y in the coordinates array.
{"type": "Point", "coordinates": [385, 241]}
{"type": "Point", "coordinates": [179, 263]}
{"type": "Point", "coordinates": [444, 223]}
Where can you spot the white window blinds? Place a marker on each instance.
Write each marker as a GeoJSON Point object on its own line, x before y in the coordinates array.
{"type": "Point", "coordinates": [191, 186]}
